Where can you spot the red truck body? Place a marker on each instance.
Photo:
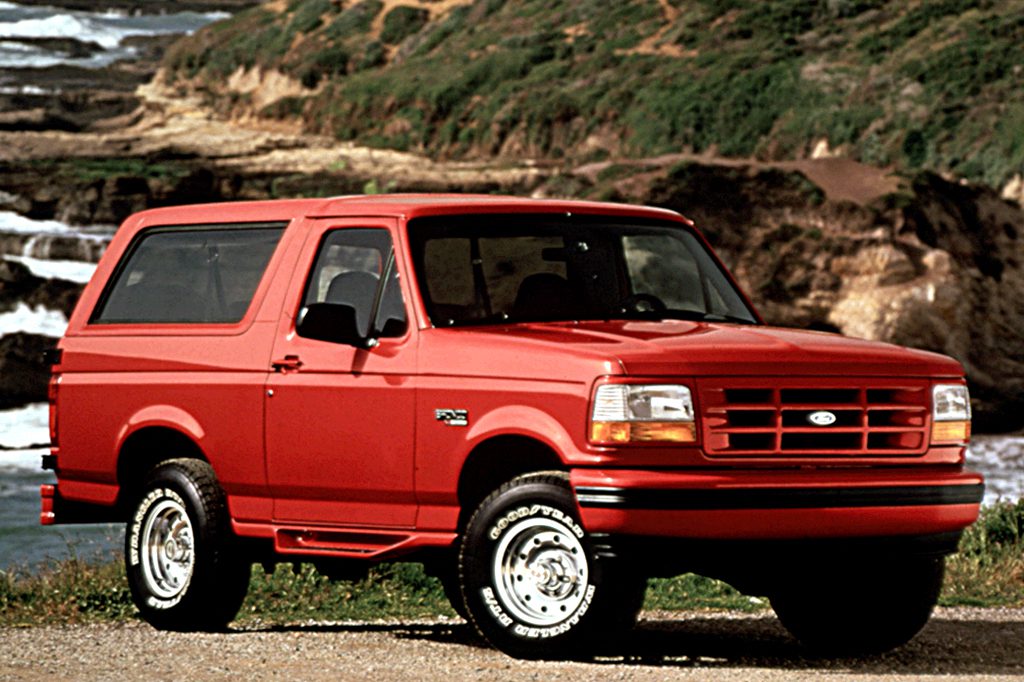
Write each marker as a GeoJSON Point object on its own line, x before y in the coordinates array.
{"type": "Point", "coordinates": [327, 450]}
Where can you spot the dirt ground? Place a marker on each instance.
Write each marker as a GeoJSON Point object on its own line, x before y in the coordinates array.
{"type": "Point", "coordinates": [958, 644]}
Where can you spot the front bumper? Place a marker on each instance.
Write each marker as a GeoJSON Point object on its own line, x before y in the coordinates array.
{"type": "Point", "coordinates": [777, 505]}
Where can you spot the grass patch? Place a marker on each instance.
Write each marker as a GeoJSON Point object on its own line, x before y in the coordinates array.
{"type": "Point", "coordinates": [988, 571]}
{"type": "Point", "coordinates": [402, 22]}
{"type": "Point", "coordinates": [85, 170]}
{"type": "Point", "coordinates": [72, 591]}
{"type": "Point", "coordinates": [292, 594]}
{"type": "Point", "coordinates": [691, 592]}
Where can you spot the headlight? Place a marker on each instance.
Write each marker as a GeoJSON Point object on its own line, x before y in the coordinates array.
{"type": "Point", "coordinates": [951, 413]}
{"type": "Point", "coordinates": [627, 413]}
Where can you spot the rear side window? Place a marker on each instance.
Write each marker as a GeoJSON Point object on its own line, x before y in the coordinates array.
{"type": "Point", "coordinates": [194, 274]}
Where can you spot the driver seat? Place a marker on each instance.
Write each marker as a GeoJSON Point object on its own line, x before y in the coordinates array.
{"type": "Point", "coordinates": [544, 296]}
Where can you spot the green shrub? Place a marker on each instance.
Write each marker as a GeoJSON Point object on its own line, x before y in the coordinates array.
{"type": "Point", "coordinates": [354, 20]}
{"type": "Point", "coordinates": [989, 570]}
{"type": "Point", "coordinates": [402, 22]}
{"type": "Point", "coordinates": [374, 55]}
{"type": "Point", "coordinates": [308, 15]}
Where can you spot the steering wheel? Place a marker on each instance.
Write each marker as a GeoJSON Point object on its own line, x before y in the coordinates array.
{"type": "Point", "coordinates": [643, 303]}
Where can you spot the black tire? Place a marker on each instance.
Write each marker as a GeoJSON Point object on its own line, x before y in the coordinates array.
{"type": "Point", "coordinates": [453, 591]}
{"type": "Point", "coordinates": [531, 582]}
{"type": "Point", "coordinates": [859, 607]}
{"type": "Point", "coordinates": [180, 555]}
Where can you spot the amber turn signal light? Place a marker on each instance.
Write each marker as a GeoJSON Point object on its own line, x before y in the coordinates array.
{"type": "Point", "coordinates": [951, 432]}
{"type": "Point", "coordinates": [642, 432]}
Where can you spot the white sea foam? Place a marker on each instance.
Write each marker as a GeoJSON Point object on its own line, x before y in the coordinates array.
{"type": "Point", "coordinates": [24, 427]}
{"type": "Point", "coordinates": [12, 222]}
{"type": "Point", "coordinates": [20, 56]}
{"type": "Point", "coordinates": [1001, 460]}
{"type": "Point", "coordinates": [70, 270]}
{"type": "Point", "coordinates": [108, 29]}
{"type": "Point", "coordinates": [24, 89]}
{"type": "Point", "coordinates": [34, 320]}
{"type": "Point", "coordinates": [22, 460]}
{"type": "Point", "coordinates": [80, 27]}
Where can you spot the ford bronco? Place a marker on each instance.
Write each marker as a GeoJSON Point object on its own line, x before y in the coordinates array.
{"type": "Point", "coordinates": [545, 402]}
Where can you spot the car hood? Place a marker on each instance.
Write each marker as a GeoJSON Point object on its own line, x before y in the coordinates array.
{"type": "Point", "coordinates": [683, 348]}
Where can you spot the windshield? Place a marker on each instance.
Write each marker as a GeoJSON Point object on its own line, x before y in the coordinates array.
{"type": "Point", "coordinates": [486, 269]}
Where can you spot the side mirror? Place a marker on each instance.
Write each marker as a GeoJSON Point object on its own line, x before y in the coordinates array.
{"type": "Point", "coordinates": [332, 322]}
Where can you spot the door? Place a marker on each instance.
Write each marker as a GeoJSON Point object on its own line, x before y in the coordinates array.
{"type": "Point", "coordinates": [339, 418]}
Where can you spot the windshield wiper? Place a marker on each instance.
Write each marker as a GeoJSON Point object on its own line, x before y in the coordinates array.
{"type": "Point", "coordinates": [725, 317]}
{"type": "Point", "coordinates": [679, 314]}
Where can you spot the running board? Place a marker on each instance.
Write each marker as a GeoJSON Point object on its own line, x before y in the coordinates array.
{"type": "Point", "coordinates": [355, 543]}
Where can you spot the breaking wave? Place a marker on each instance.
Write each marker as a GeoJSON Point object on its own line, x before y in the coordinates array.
{"type": "Point", "coordinates": [103, 28]}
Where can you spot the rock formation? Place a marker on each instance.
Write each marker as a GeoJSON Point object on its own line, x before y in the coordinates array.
{"type": "Point", "coordinates": [23, 374]}
{"type": "Point", "coordinates": [19, 285]}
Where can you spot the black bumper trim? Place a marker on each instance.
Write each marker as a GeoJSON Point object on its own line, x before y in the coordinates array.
{"type": "Point", "coordinates": [779, 498]}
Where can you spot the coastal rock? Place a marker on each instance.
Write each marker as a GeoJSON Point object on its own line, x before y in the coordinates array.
{"type": "Point", "coordinates": [69, 47]}
{"type": "Point", "coordinates": [86, 248]}
{"type": "Point", "coordinates": [938, 266]}
{"type": "Point", "coordinates": [23, 374]}
{"type": "Point", "coordinates": [19, 285]}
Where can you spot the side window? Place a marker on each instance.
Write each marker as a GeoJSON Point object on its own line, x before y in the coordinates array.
{"type": "Point", "coordinates": [662, 265]}
{"type": "Point", "coordinates": [189, 274]}
{"type": "Point", "coordinates": [347, 271]}
{"type": "Point", "coordinates": [669, 267]}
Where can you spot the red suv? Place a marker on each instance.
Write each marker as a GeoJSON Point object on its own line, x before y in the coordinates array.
{"type": "Point", "coordinates": [545, 402]}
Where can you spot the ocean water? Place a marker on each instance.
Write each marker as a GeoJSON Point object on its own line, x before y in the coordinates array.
{"type": "Point", "coordinates": [25, 545]}
{"type": "Point", "coordinates": [24, 432]}
{"type": "Point", "coordinates": [35, 320]}
{"type": "Point", "coordinates": [105, 28]}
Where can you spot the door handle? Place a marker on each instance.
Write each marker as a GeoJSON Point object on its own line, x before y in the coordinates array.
{"type": "Point", "coordinates": [289, 363]}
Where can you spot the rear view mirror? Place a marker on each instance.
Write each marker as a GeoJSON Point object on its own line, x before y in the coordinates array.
{"type": "Point", "coordinates": [332, 322]}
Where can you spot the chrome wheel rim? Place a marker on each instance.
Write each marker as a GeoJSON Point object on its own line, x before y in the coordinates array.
{"type": "Point", "coordinates": [540, 572]}
{"type": "Point", "coordinates": [168, 550]}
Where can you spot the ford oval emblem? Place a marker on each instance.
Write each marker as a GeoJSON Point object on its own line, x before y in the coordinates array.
{"type": "Point", "coordinates": [822, 418]}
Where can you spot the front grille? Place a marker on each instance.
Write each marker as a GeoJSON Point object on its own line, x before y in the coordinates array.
{"type": "Point", "coordinates": [867, 417]}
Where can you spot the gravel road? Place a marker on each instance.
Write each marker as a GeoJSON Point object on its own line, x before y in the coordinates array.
{"type": "Point", "coordinates": [958, 644]}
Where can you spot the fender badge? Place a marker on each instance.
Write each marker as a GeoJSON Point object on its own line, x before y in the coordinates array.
{"type": "Point", "coordinates": [821, 418]}
{"type": "Point", "coordinates": [452, 417]}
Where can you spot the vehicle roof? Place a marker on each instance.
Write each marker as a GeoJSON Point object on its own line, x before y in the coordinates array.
{"type": "Point", "coordinates": [396, 205]}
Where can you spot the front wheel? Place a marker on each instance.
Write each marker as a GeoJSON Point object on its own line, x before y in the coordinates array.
{"type": "Point", "coordinates": [859, 607]}
{"type": "Point", "coordinates": [530, 579]}
{"type": "Point", "coordinates": [179, 551]}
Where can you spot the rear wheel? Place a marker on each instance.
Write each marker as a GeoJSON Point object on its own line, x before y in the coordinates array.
{"type": "Point", "coordinates": [531, 582]}
{"type": "Point", "coordinates": [180, 557]}
{"type": "Point", "coordinates": [863, 607]}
